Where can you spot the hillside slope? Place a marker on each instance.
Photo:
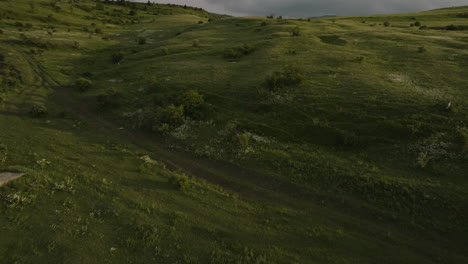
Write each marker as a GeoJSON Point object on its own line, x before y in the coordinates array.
{"type": "Point", "coordinates": [166, 134]}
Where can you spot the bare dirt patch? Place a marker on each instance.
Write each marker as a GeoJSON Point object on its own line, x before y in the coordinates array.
{"type": "Point", "coordinates": [9, 176]}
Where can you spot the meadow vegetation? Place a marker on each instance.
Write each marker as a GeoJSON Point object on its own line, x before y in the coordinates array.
{"type": "Point", "coordinates": [159, 133]}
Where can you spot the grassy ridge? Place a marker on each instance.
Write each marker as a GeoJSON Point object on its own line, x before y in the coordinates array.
{"type": "Point", "coordinates": [361, 161]}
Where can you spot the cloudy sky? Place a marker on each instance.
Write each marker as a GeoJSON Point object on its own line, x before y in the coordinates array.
{"type": "Point", "coordinates": [308, 8]}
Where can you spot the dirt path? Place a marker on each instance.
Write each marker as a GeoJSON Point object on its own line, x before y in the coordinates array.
{"type": "Point", "coordinates": [9, 176]}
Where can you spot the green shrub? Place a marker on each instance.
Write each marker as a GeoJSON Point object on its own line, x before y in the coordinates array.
{"type": "Point", "coordinates": [200, 22]}
{"type": "Point", "coordinates": [98, 31]}
{"type": "Point", "coordinates": [241, 143]}
{"type": "Point", "coordinates": [38, 110]}
{"type": "Point", "coordinates": [296, 32]}
{"type": "Point", "coordinates": [346, 139]}
{"type": "Point", "coordinates": [180, 181]}
{"type": "Point", "coordinates": [108, 98]}
{"type": "Point", "coordinates": [422, 49]}
{"type": "Point", "coordinates": [3, 153]}
{"type": "Point", "coordinates": [463, 139]}
{"type": "Point", "coordinates": [141, 41]}
{"type": "Point", "coordinates": [417, 24]}
{"type": "Point", "coordinates": [117, 57]}
{"type": "Point", "coordinates": [263, 24]}
{"type": "Point", "coordinates": [167, 118]}
{"type": "Point", "coordinates": [99, 6]}
{"type": "Point", "coordinates": [238, 52]}
{"type": "Point", "coordinates": [291, 76]}
{"type": "Point", "coordinates": [193, 103]}
{"type": "Point", "coordinates": [360, 59]}
{"type": "Point", "coordinates": [196, 43]}
{"type": "Point", "coordinates": [83, 84]}
{"type": "Point", "coordinates": [453, 27]}
{"type": "Point", "coordinates": [386, 24]}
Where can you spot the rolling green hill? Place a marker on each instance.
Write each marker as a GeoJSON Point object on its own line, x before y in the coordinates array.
{"type": "Point", "coordinates": [155, 133]}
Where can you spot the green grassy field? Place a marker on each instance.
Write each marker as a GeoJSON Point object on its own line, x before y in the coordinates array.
{"type": "Point", "coordinates": [167, 134]}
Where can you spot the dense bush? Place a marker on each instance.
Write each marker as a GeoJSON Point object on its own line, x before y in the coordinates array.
{"type": "Point", "coordinates": [346, 139]}
{"type": "Point", "coordinates": [83, 84]}
{"type": "Point", "coordinates": [117, 57]}
{"type": "Point", "coordinates": [422, 49]}
{"type": "Point", "coordinates": [291, 76]}
{"type": "Point", "coordinates": [241, 143]}
{"type": "Point", "coordinates": [141, 41]}
{"type": "Point", "coordinates": [238, 52]}
{"type": "Point", "coordinates": [454, 27]}
{"type": "Point", "coordinates": [296, 32]}
{"type": "Point", "coordinates": [168, 118]}
{"type": "Point", "coordinates": [196, 43]}
{"type": "Point", "coordinates": [108, 98]}
{"type": "Point", "coordinates": [417, 24]}
{"type": "Point", "coordinates": [386, 24]}
{"type": "Point", "coordinates": [181, 181]}
{"type": "Point", "coordinates": [38, 111]}
{"type": "Point", "coordinates": [3, 153]}
{"type": "Point", "coordinates": [193, 103]}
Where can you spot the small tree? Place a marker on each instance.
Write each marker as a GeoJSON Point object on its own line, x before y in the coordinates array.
{"type": "Point", "coordinates": [193, 103]}
{"type": "Point", "coordinates": [417, 24]}
{"type": "Point", "coordinates": [83, 84]}
{"type": "Point", "coordinates": [296, 32]}
{"type": "Point", "coordinates": [141, 41]}
{"type": "Point", "coordinates": [38, 110]}
{"type": "Point", "coordinates": [291, 76]}
{"type": "Point", "coordinates": [117, 57]}
{"type": "Point", "coordinates": [386, 24]}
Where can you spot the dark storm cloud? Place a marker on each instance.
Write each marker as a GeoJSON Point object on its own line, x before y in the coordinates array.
{"type": "Point", "coordinates": [307, 8]}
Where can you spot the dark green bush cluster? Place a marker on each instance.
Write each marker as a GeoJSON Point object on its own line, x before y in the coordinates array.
{"type": "Point", "coordinates": [386, 24]}
{"type": "Point", "coordinates": [347, 139]}
{"type": "Point", "coordinates": [10, 77]}
{"type": "Point", "coordinates": [291, 76]}
{"type": "Point", "coordinates": [422, 49]}
{"type": "Point", "coordinates": [141, 41]}
{"type": "Point", "coordinates": [463, 15]}
{"type": "Point", "coordinates": [193, 103]}
{"type": "Point", "coordinates": [83, 84]}
{"type": "Point", "coordinates": [238, 52]}
{"type": "Point", "coordinates": [108, 98]}
{"type": "Point", "coordinates": [117, 57]}
{"type": "Point", "coordinates": [180, 181]}
{"type": "Point", "coordinates": [190, 104]}
{"type": "Point", "coordinates": [38, 111]}
{"type": "Point", "coordinates": [296, 32]}
{"type": "Point", "coordinates": [454, 27]}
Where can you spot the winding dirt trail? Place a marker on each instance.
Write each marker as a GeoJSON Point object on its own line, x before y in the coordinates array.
{"type": "Point", "coordinates": [9, 176]}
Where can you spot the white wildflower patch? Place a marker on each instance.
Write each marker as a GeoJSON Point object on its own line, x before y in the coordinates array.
{"type": "Point", "coordinates": [257, 138]}
{"type": "Point", "coordinates": [403, 81]}
{"type": "Point", "coordinates": [148, 160]}
{"type": "Point", "coordinates": [437, 146]}
{"type": "Point", "coordinates": [284, 98]}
